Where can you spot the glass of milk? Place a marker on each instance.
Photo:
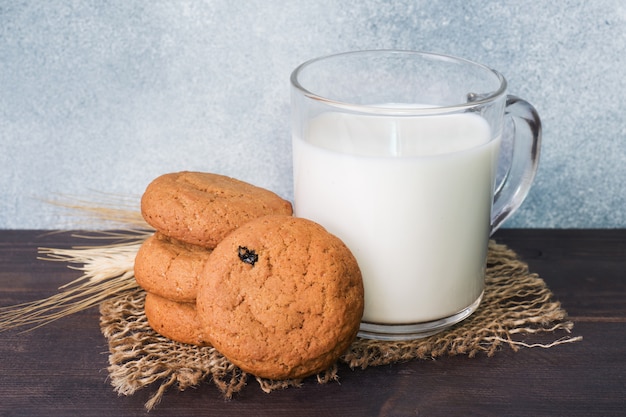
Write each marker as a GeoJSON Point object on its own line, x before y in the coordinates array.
{"type": "Point", "coordinates": [413, 160]}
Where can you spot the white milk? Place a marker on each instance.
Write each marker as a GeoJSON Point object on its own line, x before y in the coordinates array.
{"type": "Point", "coordinates": [411, 197]}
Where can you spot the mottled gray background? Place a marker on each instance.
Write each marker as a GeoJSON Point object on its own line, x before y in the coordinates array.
{"type": "Point", "coordinates": [101, 97]}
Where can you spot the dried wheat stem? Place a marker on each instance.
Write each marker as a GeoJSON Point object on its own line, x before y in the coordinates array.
{"type": "Point", "coordinates": [107, 271]}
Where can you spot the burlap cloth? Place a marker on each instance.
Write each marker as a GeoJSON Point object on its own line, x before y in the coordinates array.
{"type": "Point", "coordinates": [515, 302]}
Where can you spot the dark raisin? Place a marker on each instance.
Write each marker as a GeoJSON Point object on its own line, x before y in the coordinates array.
{"type": "Point", "coordinates": [247, 256]}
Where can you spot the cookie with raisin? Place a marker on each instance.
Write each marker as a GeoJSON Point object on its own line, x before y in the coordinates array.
{"type": "Point", "coordinates": [281, 297]}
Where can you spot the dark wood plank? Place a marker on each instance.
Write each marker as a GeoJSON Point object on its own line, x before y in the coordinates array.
{"type": "Point", "coordinates": [60, 369]}
{"type": "Point", "coordinates": [586, 269]}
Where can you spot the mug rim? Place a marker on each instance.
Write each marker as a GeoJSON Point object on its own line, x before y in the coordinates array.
{"type": "Point", "coordinates": [400, 109]}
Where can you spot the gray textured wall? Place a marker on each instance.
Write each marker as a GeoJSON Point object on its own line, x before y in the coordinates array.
{"type": "Point", "coordinates": [103, 97]}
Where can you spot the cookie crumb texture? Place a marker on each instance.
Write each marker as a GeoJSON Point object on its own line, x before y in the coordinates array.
{"type": "Point", "coordinates": [170, 268]}
{"type": "Point", "coordinates": [293, 311]}
{"type": "Point", "coordinates": [176, 321]}
{"type": "Point", "coordinates": [202, 208]}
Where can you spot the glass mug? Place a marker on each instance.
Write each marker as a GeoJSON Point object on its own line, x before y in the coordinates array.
{"type": "Point", "coordinates": [413, 159]}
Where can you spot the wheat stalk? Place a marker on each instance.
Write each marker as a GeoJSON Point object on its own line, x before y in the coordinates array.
{"type": "Point", "coordinates": [102, 211]}
{"type": "Point", "coordinates": [107, 269]}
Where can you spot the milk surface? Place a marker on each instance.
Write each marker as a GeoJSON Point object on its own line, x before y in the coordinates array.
{"type": "Point", "coordinates": [411, 197]}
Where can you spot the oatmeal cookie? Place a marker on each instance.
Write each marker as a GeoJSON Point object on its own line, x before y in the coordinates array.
{"type": "Point", "coordinates": [202, 208]}
{"type": "Point", "coordinates": [170, 268]}
{"type": "Point", "coordinates": [176, 321]}
{"type": "Point", "coordinates": [281, 297]}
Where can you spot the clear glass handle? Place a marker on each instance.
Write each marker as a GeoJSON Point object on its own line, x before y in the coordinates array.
{"type": "Point", "coordinates": [520, 154]}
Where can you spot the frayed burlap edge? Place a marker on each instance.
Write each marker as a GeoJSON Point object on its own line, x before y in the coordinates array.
{"type": "Point", "coordinates": [515, 302]}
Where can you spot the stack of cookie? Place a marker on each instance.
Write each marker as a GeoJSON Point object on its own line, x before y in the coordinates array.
{"type": "Point", "coordinates": [169, 269]}
{"type": "Point", "coordinates": [191, 212]}
{"type": "Point", "coordinates": [229, 266]}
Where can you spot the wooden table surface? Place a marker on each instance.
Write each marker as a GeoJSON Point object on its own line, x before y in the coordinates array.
{"type": "Point", "coordinates": [60, 369]}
